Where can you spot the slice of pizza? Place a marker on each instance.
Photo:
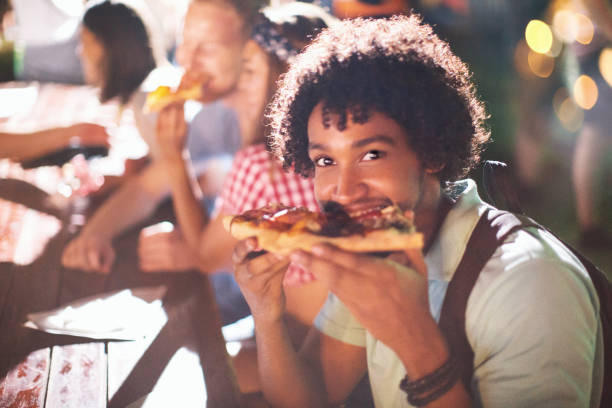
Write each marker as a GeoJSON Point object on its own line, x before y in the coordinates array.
{"type": "Point", "coordinates": [164, 96]}
{"type": "Point", "coordinates": [281, 229]}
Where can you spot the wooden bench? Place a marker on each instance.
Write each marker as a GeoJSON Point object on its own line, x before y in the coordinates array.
{"type": "Point", "coordinates": [185, 364]}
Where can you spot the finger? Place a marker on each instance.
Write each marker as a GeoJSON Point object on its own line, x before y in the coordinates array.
{"type": "Point", "coordinates": [401, 257]}
{"type": "Point", "coordinates": [67, 256]}
{"type": "Point", "coordinates": [93, 261]}
{"type": "Point", "coordinates": [242, 249]}
{"type": "Point", "coordinates": [328, 272]}
{"type": "Point", "coordinates": [72, 257]}
{"type": "Point", "coordinates": [107, 259]}
{"type": "Point", "coordinates": [349, 260]}
{"type": "Point", "coordinates": [151, 244]}
{"type": "Point", "coordinates": [258, 279]}
{"type": "Point", "coordinates": [417, 261]}
{"type": "Point", "coordinates": [259, 263]}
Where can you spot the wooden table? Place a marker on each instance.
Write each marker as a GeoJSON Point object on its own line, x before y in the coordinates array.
{"type": "Point", "coordinates": [185, 364]}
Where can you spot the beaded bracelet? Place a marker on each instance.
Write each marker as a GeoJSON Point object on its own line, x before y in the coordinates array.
{"type": "Point", "coordinates": [432, 386]}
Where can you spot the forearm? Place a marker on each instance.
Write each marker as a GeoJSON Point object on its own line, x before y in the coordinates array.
{"type": "Point", "coordinates": [423, 351]}
{"type": "Point", "coordinates": [215, 249]}
{"type": "Point", "coordinates": [287, 381]}
{"type": "Point", "coordinates": [24, 146]}
{"type": "Point", "coordinates": [191, 215]}
{"type": "Point", "coordinates": [134, 202]}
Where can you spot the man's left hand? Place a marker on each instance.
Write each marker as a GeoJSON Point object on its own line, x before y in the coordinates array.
{"type": "Point", "coordinates": [386, 295]}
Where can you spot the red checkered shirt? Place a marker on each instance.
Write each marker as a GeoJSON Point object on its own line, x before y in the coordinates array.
{"type": "Point", "coordinates": [256, 180]}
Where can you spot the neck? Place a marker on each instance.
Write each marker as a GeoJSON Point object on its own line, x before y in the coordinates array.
{"type": "Point", "coordinates": [432, 210]}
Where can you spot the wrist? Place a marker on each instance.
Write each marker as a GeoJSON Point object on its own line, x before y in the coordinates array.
{"type": "Point", "coordinates": [174, 158]}
{"type": "Point", "coordinates": [265, 323]}
{"type": "Point", "coordinates": [421, 348]}
{"type": "Point", "coordinates": [93, 231]}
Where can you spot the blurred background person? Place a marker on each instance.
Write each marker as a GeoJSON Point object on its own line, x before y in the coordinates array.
{"type": "Point", "coordinates": [261, 45]}
{"type": "Point", "coordinates": [31, 145]}
{"type": "Point", "coordinates": [110, 44]}
{"type": "Point", "coordinates": [275, 35]}
{"type": "Point", "coordinates": [112, 51]}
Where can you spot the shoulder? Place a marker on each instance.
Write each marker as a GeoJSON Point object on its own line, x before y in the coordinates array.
{"type": "Point", "coordinates": [533, 255]}
{"type": "Point", "coordinates": [532, 270]}
{"type": "Point", "coordinates": [534, 315]}
{"type": "Point", "coordinates": [252, 159]}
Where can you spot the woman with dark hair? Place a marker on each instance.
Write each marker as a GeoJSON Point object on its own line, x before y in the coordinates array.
{"type": "Point", "coordinates": [116, 51]}
{"type": "Point", "coordinates": [117, 55]}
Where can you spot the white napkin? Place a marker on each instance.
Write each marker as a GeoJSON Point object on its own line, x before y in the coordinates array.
{"type": "Point", "coordinates": [126, 314]}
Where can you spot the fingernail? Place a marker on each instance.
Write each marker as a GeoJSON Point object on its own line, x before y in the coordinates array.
{"type": "Point", "coordinates": [318, 250]}
{"type": "Point", "coordinates": [298, 257]}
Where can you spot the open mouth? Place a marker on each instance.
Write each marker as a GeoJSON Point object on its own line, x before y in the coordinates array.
{"type": "Point", "coordinates": [368, 212]}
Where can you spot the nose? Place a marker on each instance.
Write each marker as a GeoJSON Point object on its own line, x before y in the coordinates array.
{"type": "Point", "coordinates": [185, 56]}
{"type": "Point", "coordinates": [349, 186]}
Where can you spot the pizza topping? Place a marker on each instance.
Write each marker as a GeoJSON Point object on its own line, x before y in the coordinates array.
{"type": "Point", "coordinates": [333, 222]}
{"type": "Point", "coordinates": [164, 95]}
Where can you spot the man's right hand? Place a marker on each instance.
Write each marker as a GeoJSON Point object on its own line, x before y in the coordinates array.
{"type": "Point", "coordinates": [171, 131]}
{"type": "Point", "coordinates": [260, 277]}
{"type": "Point", "coordinates": [89, 253]}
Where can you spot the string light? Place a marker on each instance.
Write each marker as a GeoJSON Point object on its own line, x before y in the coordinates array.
{"type": "Point", "coordinates": [605, 64]}
{"type": "Point", "coordinates": [539, 36]}
{"type": "Point", "coordinates": [585, 92]}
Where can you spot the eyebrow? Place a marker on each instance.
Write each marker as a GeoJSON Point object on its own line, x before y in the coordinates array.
{"type": "Point", "coordinates": [359, 143]}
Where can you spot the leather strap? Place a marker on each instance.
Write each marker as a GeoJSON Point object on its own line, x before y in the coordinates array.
{"type": "Point", "coordinates": [490, 232]}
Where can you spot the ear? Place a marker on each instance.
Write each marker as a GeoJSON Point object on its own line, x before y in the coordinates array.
{"type": "Point", "coordinates": [433, 169]}
{"type": "Point", "coordinates": [250, 49]}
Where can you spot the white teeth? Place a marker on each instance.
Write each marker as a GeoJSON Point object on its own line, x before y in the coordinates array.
{"type": "Point", "coordinates": [359, 213]}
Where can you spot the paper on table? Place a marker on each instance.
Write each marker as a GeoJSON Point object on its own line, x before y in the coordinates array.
{"type": "Point", "coordinates": [126, 314]}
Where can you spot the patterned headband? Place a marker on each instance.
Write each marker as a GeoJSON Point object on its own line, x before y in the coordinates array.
{"type": "Point", "coordinates": [269, 39]}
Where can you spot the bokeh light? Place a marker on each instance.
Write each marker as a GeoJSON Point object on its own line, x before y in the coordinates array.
{"type": "Point", "coordinates": [559, 97]}
{"type": "Point", "coordinates": [585, 29]}
{"type": "Point", "coordinates": [556, 47]}
{"type": "Point", "coordinates": [605, 65]}
{"type": "Point", "coordinates": [570, 115]}
{"type": "Point", "coordinates": [539, 36]}
{"type": "Point", "coordinates": [585, 92]}
{"type": "Point", "coordinates": [540, 64]}
{"type": "Point", "coordinates": [564, 26]}
{"type": "Point", "coordinates": [571, 26]}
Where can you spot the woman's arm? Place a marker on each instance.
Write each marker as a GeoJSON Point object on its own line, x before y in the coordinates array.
{"type": "Point", "coordinates": [135, 201]}
{"type": "Point", "coordinates": [22, 146]}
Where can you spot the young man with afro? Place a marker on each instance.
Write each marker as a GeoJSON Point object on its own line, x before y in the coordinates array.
{"type": "Point", "coordinates": [381, 112]}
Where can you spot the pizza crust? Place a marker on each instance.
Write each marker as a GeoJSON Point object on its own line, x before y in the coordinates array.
{"type": "Point", "coordinates": [283, 243]}
{"type": "Point", "coordinates": [164, 96]}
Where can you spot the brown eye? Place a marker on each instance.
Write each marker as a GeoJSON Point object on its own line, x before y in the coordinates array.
{"type": "Point", "coordinates": [374, 154]}
{"type": "Point", "coordinates": [323, 161]}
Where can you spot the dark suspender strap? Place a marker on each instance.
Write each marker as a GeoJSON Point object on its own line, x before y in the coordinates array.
{"type": "Point", "coordinates": [491, 230]}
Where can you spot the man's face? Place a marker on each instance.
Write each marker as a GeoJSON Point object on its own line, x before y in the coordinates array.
{"type": "Point", "coordinates": [365, 166]}
{"type": "Point", "coordinates": [211, 48]}
{"type": "Point", "coordinates": [91, 51]}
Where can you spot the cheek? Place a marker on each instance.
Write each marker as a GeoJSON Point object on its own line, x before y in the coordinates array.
{"type": "Point", "coordinates": [323, 185]}
{"type": "Point", "coordinates": [93, 71]}
{"type": "Point", "coordinates": [182, 55]}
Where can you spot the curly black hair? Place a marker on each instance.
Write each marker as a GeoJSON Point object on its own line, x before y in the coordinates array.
{"type": "Point", "coordinates": [394, 66]}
